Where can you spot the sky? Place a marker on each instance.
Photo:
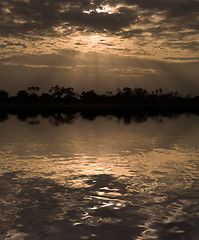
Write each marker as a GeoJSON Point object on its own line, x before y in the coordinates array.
{"type": "Point", "coordinates": [100, 44]}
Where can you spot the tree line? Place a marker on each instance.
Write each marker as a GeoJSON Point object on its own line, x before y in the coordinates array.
{"type": "Point", "coordinates": [57, 94]}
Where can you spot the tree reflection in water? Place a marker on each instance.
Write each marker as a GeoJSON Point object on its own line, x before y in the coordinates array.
{"type": "Point", "coordinates": [151, 194]}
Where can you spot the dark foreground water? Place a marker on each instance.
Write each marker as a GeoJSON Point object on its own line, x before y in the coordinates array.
{"type": "Point", "coordinates": [66, 178]}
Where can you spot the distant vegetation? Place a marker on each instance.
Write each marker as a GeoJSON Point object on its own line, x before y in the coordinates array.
{"type": "Point", "coordinates": [122, 99]}
{"type": "Point", "coordinates": [125, 95]}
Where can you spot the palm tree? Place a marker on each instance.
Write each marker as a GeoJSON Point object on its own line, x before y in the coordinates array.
{"type": "Point", "coordinates": [160, 90]}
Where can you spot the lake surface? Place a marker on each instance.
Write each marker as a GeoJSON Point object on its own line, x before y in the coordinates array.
{"type": "Point", "coordinates": [67, 177]}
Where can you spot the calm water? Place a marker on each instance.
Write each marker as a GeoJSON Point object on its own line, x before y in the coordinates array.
{"type": "Point", "coordinates": [69, 178]}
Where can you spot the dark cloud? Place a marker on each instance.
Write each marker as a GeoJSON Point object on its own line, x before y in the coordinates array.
{"type": "Point", "coordinates": [33, 16]}
{"type": "Point", "coordinates": [7, 44]}
{"type": "Point", "coordinates": [147, 21]}
{"type": "Point", "coordinates": [42, 17]}
{"type": "Point", "coordinates": [183, 59]}
{"type": "Point", "coordinates": [131, 33]}
{"type": "Point", "coordinates": [100, 21]}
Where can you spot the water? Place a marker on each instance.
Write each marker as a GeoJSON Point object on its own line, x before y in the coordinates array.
{"type": "Point", "coordinates": [66, 177]}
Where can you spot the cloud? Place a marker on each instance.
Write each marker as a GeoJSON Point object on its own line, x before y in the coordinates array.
{"type": "Point", "coordinates": [166, 28]}
{"type": "Point", "coordinates": [27, 17]}
{"type": "Point", "coordinates": [186, 59]}
{"type": "Point", "coordinates": [155, 22]}
{"type": "Point", "coordinates": [64, 59]}
{"type": "Point", "coordinates": [7, 44]}
{"type": "Point", "coordinates": [100, 22]}
{"type": "Point", "coordinates": [19, 17]}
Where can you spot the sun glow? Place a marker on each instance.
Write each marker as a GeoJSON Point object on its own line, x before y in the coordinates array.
{"type": "Point", "coordinates": [102, 9]}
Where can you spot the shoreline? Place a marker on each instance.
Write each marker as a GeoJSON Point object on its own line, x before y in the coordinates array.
{"type": "Point", "coordinates": [95, 107]}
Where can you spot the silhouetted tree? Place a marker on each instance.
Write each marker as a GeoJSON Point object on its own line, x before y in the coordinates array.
{"type": "Point", "coordinates": [68, 92]}
{"type": "Point", "coordinates": [140, 92]}
{"type": "Point", "coordinates": [160, 90]}
{"type": "Point", "coordinates": [119, 92]}
{"type": "Point", "coordinates": [127, 91]}
{"type": "Point", "coordinates": [127, 98]}
{"type": "Point", "coordinates": [109, 94]}
{"type": "Point", "coordinates": [3, 95]}
{"type": "Point", "coordinates": [176, 94]}
{"type": "Point", "coordinates": [56, 91]}
{"type": "Point", "coordinates": [89, 95]}
{"type": "Point", "coordinates": [46, 96]}
{"type": "Point", "coordinates": [33, 89]}
{"type": "Point", "coordinates": [22, 94]}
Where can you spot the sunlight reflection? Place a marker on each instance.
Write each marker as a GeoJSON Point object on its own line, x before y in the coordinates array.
{"type": "Point", "coordinates": [99, 178]}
